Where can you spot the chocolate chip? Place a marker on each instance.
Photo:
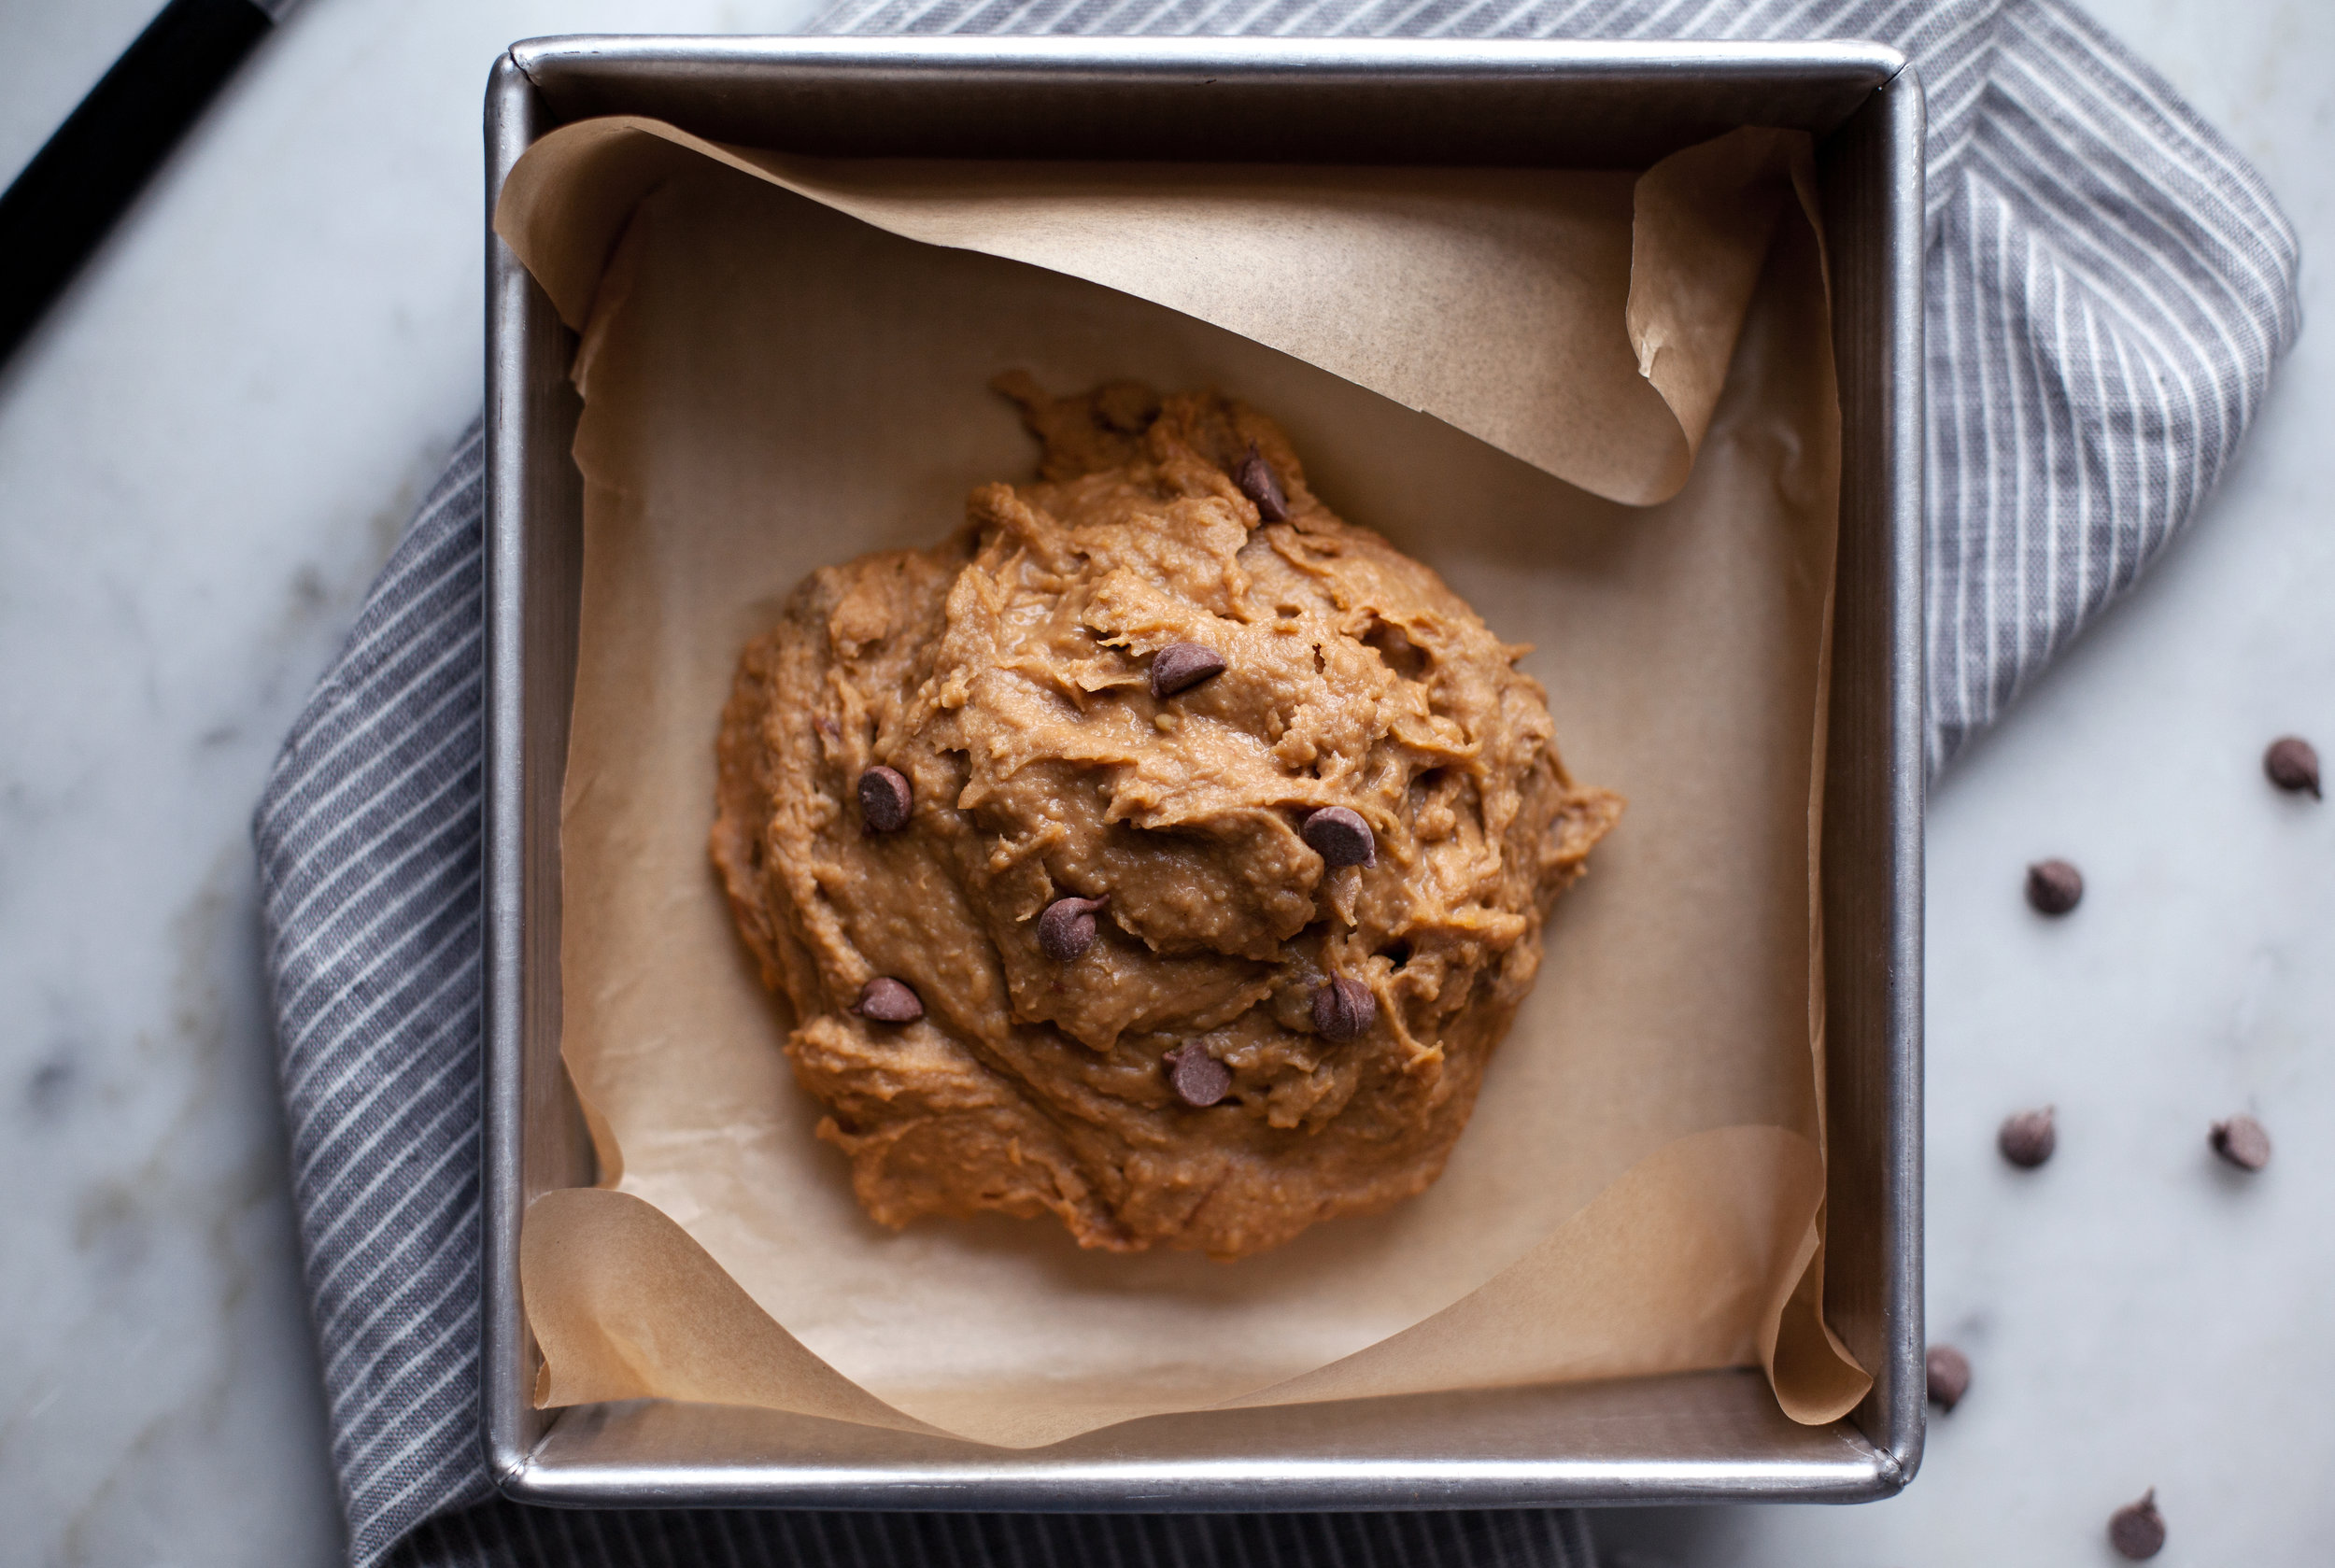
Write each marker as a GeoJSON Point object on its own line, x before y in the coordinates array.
{"type": "Point", "coordinates": [2137, 1530]}
{"type": "Point", "coordinates": [1200, 1079]}
{"type": "Point", "coordinates": [2054, 886]}
{"type": "Point", "coordinates": [1180, 666]}
{"type": "Point", "coordinates": [889, 1001]}
{"type": "Point", "coordinates": [1344, 1010]}
{"type": "Point", "coordinates": [2242, 1142]}
{"type": "Point", "coordinates": [1340, 837]}
{"type": "Point", "coordinates": [1261, 484]}
{"type": "Point", "coordinates": [885, 799]}
{"type": "Point", "coordinates": [1066, 929]}
{"type": "Point", "coordinates": [2028, 1138]}
{"type": "Point", "coordinates": [2293, 766]}
{"type": "Point", "coordinates": [1949, 1377]}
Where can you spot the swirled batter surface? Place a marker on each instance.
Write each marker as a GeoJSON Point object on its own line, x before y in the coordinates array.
{"type": "Point", "coordinates": [1252, 1016]}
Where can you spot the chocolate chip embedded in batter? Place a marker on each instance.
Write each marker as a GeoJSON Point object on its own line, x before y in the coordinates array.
{"type": "Point", "coordinates": [2137, 1530]}
{"type": "Point", "coordinates": [2054, 886]}
{"type": "Point", "coordinates": [1200, 1079]}
{"type": "Point", "coordinates": [1344, 1010]}
{"type": "Point", "coordinates": [2293, 766]}
{"type": "Point", "coordinates": [2028, 1138]}
{"type": "Point", "coordinates": [885, 799]}
{"type": "Point", "coordinates": [1261, 484]}
{"type": "Point", "coordinates": [1180, 666]}
{"type": "Point", "coordinates": [1949, 1377]}
{"type": "Point", "coordinates": [1066, 929]}
{"type": "Point", "coordinates": [2243, 1142]}
{"type": "Point", "coordinates": [889, 1001]}
{"type": "Point", "coordinates": [1339, 835]}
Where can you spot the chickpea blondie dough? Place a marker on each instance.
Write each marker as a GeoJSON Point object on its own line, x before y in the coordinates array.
{"type": "Point", "coordinates": [1161, 851]}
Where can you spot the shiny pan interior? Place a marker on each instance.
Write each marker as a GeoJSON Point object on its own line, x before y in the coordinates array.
{"type": "Point", "coordinates": [1709, 1436]}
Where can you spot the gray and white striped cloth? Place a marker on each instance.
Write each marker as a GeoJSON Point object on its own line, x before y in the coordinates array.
{"type": "Point", "coordinates": [2109, 285]}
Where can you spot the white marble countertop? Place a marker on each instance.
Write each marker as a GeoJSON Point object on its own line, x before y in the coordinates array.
{"type": "Point", "coordinates": [207, 450]}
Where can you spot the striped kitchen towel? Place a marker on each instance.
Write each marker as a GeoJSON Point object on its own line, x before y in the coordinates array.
{"type": "Point", "coordinates": [2109, 285]}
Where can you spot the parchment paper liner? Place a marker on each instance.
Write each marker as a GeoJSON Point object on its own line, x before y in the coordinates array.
{"type": "Point", "coordinates": [782, 366]}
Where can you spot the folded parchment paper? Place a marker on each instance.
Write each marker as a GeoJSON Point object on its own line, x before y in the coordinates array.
{"type": "Point", "coordinates": [783, 365]}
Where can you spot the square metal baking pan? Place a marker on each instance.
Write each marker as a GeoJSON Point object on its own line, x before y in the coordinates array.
{"type": "Point", "coordinates": [1709, 1436]}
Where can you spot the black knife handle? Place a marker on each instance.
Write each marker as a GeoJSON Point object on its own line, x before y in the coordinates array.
{"type": "Point", "coordinates": [74, 189]}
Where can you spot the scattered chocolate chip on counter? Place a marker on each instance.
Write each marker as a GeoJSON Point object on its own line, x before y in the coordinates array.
{"type": "Point", "coordinates": [889, 1001]}
{"type": "Point", "coordinates": [2137, 1530]}
{"type": "Point", "coordinates": [1066, 929]}
{"type": "Point", "coordinates": [1339, 835]}
{"type": "Point", "coordinates": [1200, 1079]}
{"type": "Point", "coordinates": [1949, 1377]}
{"type": "Point", "coordinates": [2241, 1141]}
{"type": "Point", "coordinates": [2028, 1138]}
{"type": "Point", "coordinates": [1261, 484]}
{"type": "Point", "coordinates": [1180, 666]}
{"type": "Point", "coordinates": [1344, 1010]}
{"type": "Point", "coordinates": [2293, 766]}
{"type": "Point", "coordinates": [886, 799]}
{"type": "Point", "coordinates": [2054, 886]}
